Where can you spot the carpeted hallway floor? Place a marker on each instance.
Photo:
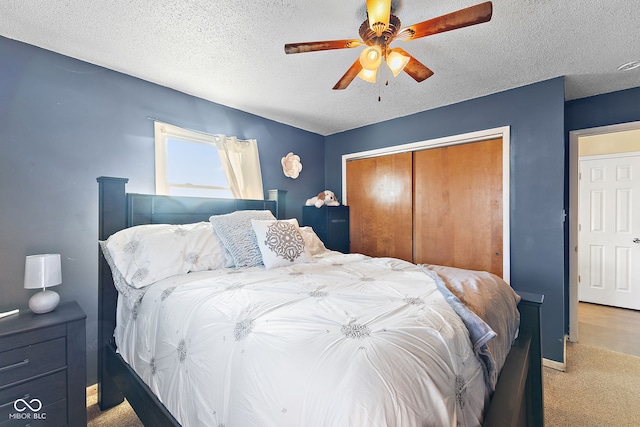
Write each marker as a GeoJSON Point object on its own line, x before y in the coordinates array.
{"type": "Point", "coordinates": [601, 388]}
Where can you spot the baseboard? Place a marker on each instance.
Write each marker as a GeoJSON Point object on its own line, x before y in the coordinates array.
{"type": "Point", "coordinates": [92, 390]}
{"type": "Point", "coordinates": [559, 366]}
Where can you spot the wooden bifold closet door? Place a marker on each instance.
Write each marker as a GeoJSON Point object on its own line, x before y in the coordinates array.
{"type": "Point", "coordinates": [379, 194]}
{"type": "Point", "coordinates": [458, 206]}
{"type": "Point", "coordinates": [437, 206]}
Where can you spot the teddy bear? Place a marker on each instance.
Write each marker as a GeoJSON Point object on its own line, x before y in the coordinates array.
{"type": "Point", "coordinates": [323, 198]}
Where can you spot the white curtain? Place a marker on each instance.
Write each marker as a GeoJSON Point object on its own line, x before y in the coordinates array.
{"type": "Point", "coordinates": [241, 164]}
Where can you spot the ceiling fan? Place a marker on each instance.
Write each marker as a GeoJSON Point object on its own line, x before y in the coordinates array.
{"type": "Point", "coordinates": [381, 29]}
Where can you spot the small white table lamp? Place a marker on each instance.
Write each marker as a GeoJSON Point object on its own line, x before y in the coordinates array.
{"type": "Point", "coordinates": [41, 272]}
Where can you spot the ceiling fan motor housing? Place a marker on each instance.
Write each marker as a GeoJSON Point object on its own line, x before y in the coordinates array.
{"type": "Point", "coordinates": [370, 38]}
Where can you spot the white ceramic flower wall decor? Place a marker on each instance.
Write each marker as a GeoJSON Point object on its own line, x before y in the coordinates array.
{"type": "Point", "coordinates": [291, 165]}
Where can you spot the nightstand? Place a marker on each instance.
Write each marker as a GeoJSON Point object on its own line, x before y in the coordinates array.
{"type": "Point", "coordinates": [331, 224]}
{"type": "Point", "coordinates": [43, 368]}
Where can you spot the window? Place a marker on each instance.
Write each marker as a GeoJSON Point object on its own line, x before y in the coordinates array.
{"type": "Point", "coordinates": [191, 163]}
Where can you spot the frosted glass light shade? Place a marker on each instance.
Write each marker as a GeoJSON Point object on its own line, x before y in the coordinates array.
{"type": "Point", "coordinates": [368, 75]}
{"type": "Point", "coordinates": [41, 272]}
{"type": "Point", "coordinates": [396, 62]}
{"type": "Point", "coordinates": [371, 58]}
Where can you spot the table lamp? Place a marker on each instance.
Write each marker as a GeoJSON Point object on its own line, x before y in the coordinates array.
{"type": "Point", "coordinates": [42, 272]}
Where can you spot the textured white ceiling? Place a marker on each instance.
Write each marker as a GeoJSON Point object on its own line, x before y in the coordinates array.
{"type": "Point", "coordinates": [231, 52]}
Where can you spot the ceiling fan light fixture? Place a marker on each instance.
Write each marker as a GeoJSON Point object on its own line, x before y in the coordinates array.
{"type": "Point", "coordinates": [368, 75]}
{"type": "Point", "coordinates": [381, 28]}
{"type": "Point", "coordinates": [378, 12]}
{"type": "Point", "coordinates": [396, 62]}
{"type": "Point", "coordinates": [371, 58]}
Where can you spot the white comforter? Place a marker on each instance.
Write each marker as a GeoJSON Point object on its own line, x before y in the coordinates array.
{"type": "Point", "coordinates": [345, 341]}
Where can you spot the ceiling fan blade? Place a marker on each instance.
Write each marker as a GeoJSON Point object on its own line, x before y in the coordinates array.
{"type": "Point", "coordinates": [452, 21]}
{"type": "Point", "coordinates": [348, 77]}
{"type": "Point", "coordinates": [417, 70]}
{"type": "Point", "coordinates": [322, 45]}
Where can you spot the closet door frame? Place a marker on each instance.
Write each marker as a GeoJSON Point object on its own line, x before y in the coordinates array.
{"type": "Point", "coordinates": [478, 136]}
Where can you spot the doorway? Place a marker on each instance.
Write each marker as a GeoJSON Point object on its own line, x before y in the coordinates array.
{"type": "Point", "coordinates": [609, 223]}
{"type": "Point", "coordinates": [609, 133]}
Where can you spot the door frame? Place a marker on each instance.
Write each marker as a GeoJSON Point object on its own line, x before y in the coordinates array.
{"type": "Point", "coordinates": [503, 132]}
{"type": "Point", "coordinates": [574, 183]}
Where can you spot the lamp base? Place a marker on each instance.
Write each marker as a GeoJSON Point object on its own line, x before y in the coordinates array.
{"type": "Point", "coordinates": [44, 302]}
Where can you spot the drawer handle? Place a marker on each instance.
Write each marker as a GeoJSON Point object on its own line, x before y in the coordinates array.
{"type": "Point", "coordinates": [25, 362]}
{"type": "Point", "coordinates": [4, 405]}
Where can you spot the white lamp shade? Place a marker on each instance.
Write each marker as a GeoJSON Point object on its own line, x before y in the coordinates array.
{"type": "Point", "coordinates": [42, 271]}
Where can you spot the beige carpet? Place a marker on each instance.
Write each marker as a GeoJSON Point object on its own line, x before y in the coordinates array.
{"type": "Point", "coordinates": [600, 389]}
{"type": "Point", "coordinates": [119, 416]}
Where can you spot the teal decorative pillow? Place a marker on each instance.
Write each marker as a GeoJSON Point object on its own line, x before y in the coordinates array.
{"type": "Point", "coordinates": [281, 243]}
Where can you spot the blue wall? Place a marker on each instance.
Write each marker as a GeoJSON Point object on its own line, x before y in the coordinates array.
{"type": "Point", "coordinates": [535, 115]}
{"type": "Point", "coordinates": [603, 110]}
{"type": "Point", "coordinates": [63, 123]}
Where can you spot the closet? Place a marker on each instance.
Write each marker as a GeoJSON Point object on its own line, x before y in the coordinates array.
{"type": "Point", "coordinates": [437, 206]}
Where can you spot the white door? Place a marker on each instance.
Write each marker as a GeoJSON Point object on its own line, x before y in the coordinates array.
{"type": "Point", "coordinates": [609, 230]}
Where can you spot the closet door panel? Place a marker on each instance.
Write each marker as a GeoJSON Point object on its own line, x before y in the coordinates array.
{"type": "Point", "coordinates": [458, 206]}
{"type": "Point", "coordinates": [379, 195]}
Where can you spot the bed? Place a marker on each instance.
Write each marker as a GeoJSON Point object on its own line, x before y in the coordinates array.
{"type": "Point", "coordinates": [375, 350]}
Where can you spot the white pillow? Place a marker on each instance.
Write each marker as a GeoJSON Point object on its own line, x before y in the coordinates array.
{"type": "Point", "coordinates": [130, 294]}
{"type": "Point", "coordinates": [312, 241]}
{"type": "Point", "coordinates": [280, 243]}
{"type": "Point", "coordinates": [145, 254]}
{"type": "Point", "coordinates": [205, 248]}
{"type": "Point", "coordinates": [237, 235]}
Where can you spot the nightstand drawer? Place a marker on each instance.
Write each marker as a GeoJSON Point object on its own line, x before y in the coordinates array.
{"type": "Point", "coordinates": [49, 391]}
{"type": "Point", "coordinates": [25, 362]}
